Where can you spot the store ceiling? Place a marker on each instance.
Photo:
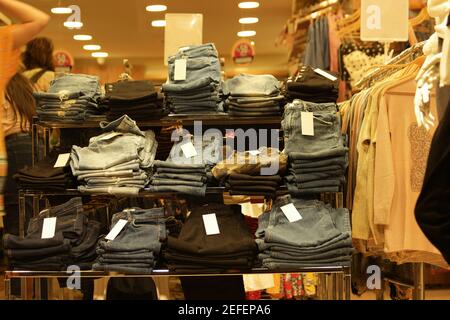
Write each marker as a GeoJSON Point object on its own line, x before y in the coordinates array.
{"type": "Point", "coordinates": [123, 28]}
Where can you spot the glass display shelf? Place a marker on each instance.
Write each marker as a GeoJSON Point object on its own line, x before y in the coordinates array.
{"type": "Point", "coordinates": [219, 120]}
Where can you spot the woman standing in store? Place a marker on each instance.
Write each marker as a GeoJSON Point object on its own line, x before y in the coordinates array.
{"type": "Point", "coordinates": [32, 21]}
{"type": "Point", "coordinates": [19, 107]}
{"type": "Point", "coordinates": [38, 62]}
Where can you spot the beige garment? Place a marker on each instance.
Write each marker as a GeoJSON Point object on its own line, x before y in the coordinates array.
{"type": "Point", "coordinates": [11, 123]}
{"type": "Point", "coordinates": [43, 84]}
{"type": "Point", "coordinates": [402, 160]}
{"type": "Point", "coordinates": [364, 227]}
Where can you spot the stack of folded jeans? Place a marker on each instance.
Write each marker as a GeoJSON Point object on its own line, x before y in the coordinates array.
{"type": "Point", "coordinates": [74, 242]}
{"type": "Point", "coordinates": [194, 251]}
{"type": "Point", "coordinates": [138, 99]}
{"type": "Point", "coordinates": [252, 172]}
{"type": "Point", "coordinates": [187, 175]}
{"type": "Point", "coordinates": [136, 248]}
{"type": "Point", "coordinates": [70, 98]}
{"type": "Point", "coordinates": [199, 92]}
{"type": "Point", "coordinates": [321, 238]}
{"type": "Point", "coordinates": [317, 163]}
{"type": "Point", "coordinates": [253, 96]}
{"type": "Point", "coordinates": [116, 162]}
{"type": "Point", "coordinates": [44, 176]}
{"type": "Point", "coordinates": [243, 184]}
{"type": "Point", "coordinates": [310, 86]}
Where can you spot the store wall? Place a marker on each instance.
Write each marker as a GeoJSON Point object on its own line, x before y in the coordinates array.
{"type": "Point", "coordinates": [154, 69]}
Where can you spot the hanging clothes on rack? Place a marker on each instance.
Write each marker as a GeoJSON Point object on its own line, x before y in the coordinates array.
{"type": "Point", "coordinates": [388, 152]}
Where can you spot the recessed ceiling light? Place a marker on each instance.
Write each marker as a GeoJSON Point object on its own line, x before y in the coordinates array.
{"type": "Point", "coordinates": [82, 37]}
{"type": "Point", "coordinates": [249, 5]}
{"type": "Point", "coordinates": [92, 47]}
{"type": "Point", "coordinates": [248, 20]}
{"type": "Point", "coordinates": [73, 24]}
{"type": "Point", "coordinates": [246, 33]}
{"type": "Point", "coordinates": [61, 10]}
{"type": "Point", "coordinates": [158, 23]}
{"type": "Point", "coordinates": [156, 8]}
{"type": "Point", "coordinates": [100, 54]}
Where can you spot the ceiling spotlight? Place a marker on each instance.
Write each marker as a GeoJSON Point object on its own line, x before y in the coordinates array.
{"type": "Point", "coordinates": [61, 10]}
{"type": "Point", "coordinates": [156, 8]}
{"type": "Point", "coordinates": [248, 20]}
{"type": "Point", "coordinates": [100, 54]}
{"type": "Point", "coordinates": [246, 33]}
{"type": "Point", "coordinates": [249, 5]}
{"type": "Point", "coordinates": [82, 37]}
{"type": "Point", "coordinates": [73, 24]}
{"type": "Point", "coordinates": [92, 47]}
{"type": "Point", "coordinates": [158, 23]}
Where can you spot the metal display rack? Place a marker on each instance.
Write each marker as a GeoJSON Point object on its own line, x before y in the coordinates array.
{"type": "Point", "coordinates": [334, 281]}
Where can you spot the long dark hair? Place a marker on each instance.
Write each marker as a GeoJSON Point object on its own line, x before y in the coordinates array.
{"type": "Point", "coordinates": [39, 54]}
{"type": "Point", "coordinates": [19, 94]}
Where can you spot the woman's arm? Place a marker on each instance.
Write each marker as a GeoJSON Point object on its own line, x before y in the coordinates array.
{"type": "Point", "coordinates": [32, 20]}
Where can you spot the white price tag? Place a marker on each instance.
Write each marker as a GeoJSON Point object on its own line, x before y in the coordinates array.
{"type": "Point", "coordinates": [211, 225]}
{"type": "Point", "coordinates": [255, 152]}
{"type": "Point", "coordinates": [62, 161]}
{"type": "Point", "coordinates": [48, 228]}
{"type": "Point", "coordinates": [325, 74]}
{"type": "Point", "coordinates": [116, 229]}
{"type": "Point", "coordinates": [189, 150]}
{"type": "Point", "coordinates": [291, 212]}
{"type": "Point", "coordinates": [307, 123]}
{"type": "Point", "coordinates": [180, 69]}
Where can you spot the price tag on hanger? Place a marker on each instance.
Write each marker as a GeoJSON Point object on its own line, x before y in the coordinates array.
{"type": "Point", "coordinates": [211, 224]}
{"type": "Point", "coordinates": [325, 74]}
{"type": "Point", "coordinates": [48, 228]}
{"type": "Point", "coordinates": [291, 213]}
{"type": "Point", "coordinates": [189, 150]}
{"type": "Point", "coordinates": [180, 69]}
{"type": "Point", "coordinates": [307, 123]}
{"type": "Point", "coordinates": [116, 229]}
{"type": "Point", "coordinates": [62, 160]}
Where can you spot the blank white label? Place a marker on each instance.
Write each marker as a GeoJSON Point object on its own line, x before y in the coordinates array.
{"type": "Point", "coordinates": [116, 229]}
{"type": "Point", "coordinates": [48, 228]}
{"type": "Point", "coordinates": [325, 74]}
{"type": "Point", "coordinates": [211, 225]}
{"type": "Point", "coordinates": [291, 212]}
{"type": "Point", "coordinates": [307, 123]}
{"type": "Point", "coordinates": [189, 150]}
{"type": "Point", "coordinates": [180, 69]}
{"type": "Point", "coordinates": [62, 161]}
{"type": "Point", "coordinates": [255, 152]}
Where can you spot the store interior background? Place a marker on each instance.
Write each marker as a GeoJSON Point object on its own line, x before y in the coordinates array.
{"type": "Point", "coordinates": [123, 29]}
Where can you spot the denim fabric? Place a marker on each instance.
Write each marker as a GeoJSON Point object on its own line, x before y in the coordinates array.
{"type": "Point", "coordinates": [123, 268]}
{"type": "Point", "coordinates": [74, 241]}
{"type": "Point", "coordinates": [138, 244]}
{"type": "Point", "coordinates": [75, 83]}
{"type": "Point", "coordinates": [144, 231]}
{"type": "Point", "coordinates": [169, 182]}
{"type": "Point", "coordinates": [246, 85]}
{"type": "Point", "coordinates": [124, 124]}
{"type": "Point", "coordinates": [327, 128]}
{"type": "Point", "coordinates": [321, 237]}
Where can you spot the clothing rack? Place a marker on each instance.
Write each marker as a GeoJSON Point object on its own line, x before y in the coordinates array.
{"type": "Point", "coordinates": [315, 11]}
{"type": "Point", "coordinates": [379, 73]}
